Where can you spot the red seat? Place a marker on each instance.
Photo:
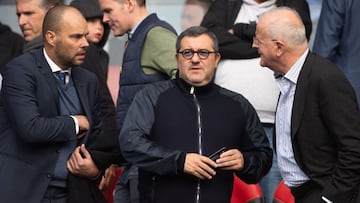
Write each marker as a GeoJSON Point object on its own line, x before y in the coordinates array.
{"type": "Point", "coordinates": [246, 193]}
{"type": "Point", "coordinates": [283, 194]}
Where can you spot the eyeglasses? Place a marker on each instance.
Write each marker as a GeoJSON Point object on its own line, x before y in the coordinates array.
{"type": "Point", "coordinates": [257, 41]}
{"type": "Point", "coordinates": [202, 53]}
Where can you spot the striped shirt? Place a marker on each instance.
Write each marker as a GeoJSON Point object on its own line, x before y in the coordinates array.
{"type": "Point", "coordinates": [290, 171]}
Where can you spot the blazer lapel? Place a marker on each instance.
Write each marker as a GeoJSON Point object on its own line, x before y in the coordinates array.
{"type": "Point", "coordinates": [45, 70]}
{"type": "Point", "coordinates": [301, 92]}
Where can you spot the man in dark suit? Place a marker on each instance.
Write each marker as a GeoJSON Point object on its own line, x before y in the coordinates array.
{"type": "Point", "coordinates": [317, 117]}
{"type": "Point", "coordinates": [46, 118]}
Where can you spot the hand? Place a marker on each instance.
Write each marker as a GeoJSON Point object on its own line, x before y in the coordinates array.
{"type": "Point", "coordinates": [81, 163]}
{"type": "Point", "coordinates": [199, 166]}
{"type": "Point", "coordinates": [231, 31]}
{"type": "Point", "coordinates": [108, 177]}
{"type": "Point", "coordinates": [231, 159]}
{"type": "Point", "coordinates": [84, 125]}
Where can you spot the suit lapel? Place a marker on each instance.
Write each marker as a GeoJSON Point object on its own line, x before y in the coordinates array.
{"type": "Point", "coordinates": [45, 70]}
{"type": "Point", "coordinates": [301, 92]}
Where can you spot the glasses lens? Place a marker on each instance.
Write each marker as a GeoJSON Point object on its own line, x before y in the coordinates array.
{"type": "Point", "coordinates": [188, 54]}
{"type": "Point", "coordinates": [203, 54]}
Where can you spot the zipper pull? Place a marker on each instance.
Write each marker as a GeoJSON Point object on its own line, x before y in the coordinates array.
{"type": "Point", "coordinates": [192, 89]}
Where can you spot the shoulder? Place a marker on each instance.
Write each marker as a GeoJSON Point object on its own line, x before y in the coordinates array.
{"type": "Point", "coordinates": [322, 73]}
{"type": "Point", "coordinates": [153, 91]}
{"type": "Point", "coordinates": [160, 31]}
{"type": "Point", "coordinates": [321, 66]}
{"type": "Point", "coordinates": [159, 38]}
{"type": "Point", "coordinates": [235, 97]}
{"type": "Point", "coordinates": [25, 61]}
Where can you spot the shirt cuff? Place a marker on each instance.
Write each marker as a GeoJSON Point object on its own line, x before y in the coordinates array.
{"type": "Point", "coordinates": [76, 124]}
{"type": "Point", "coordinates": [326, 199]}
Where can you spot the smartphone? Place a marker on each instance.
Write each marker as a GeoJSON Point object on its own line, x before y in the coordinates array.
{"type": "Point", "coordinates": [216, 154]}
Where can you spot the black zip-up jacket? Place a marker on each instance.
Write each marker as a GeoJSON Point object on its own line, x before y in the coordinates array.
{"type": "Point", "coordinates": [169, 119]}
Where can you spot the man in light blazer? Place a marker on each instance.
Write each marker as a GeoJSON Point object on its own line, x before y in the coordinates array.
{"type": "Point", "coordinates": [317, 118]}
{"type": "Point", "coordinates": [49, 131]}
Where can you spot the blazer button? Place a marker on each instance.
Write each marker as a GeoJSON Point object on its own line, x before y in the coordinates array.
{"type": "Point", "coordinates": [49, 175]}
{"type": "Point", "coordinates": [58, 151]}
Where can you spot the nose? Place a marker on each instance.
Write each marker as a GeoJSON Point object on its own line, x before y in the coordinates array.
{"type": "Point", "coordinates": [106, 18]}
{"type": "Point", "coordinates": [254, 44]}
{"type": "Point", "coordinates": [21, 20]}
{"type": "Point", "coordinates": [84, 43]}
{"type": "Point", "coordinates": [195, 58]}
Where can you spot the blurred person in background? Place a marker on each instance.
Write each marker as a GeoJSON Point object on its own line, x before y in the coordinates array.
{"type": "Point", "coordinates": [11, 45]}
{"type": "Point", "coordinates": [31, 15]}
{"type": "Point", "coordinates": [193, 12]}
{"type": "Point", "coordinates": [337, 37]}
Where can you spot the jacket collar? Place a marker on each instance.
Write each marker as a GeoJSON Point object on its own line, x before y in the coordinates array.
{"type": "Point", "coordinates": [208, 90]}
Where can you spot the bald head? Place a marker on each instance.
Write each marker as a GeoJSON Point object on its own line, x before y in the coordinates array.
{"type": "Point", "coordinates": [57, 16]}
{"type": "Point", "coordinates": [65, 31]}
{"type": "Point", "coordinates": [285, 24]}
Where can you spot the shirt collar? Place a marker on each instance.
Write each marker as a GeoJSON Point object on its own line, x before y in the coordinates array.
{"type": "Point", "coordinates": [52, 64]}
{"type": "Point", "coordinates": [134, 29]}
{"type": "Point", "coordinates": [294, 72]}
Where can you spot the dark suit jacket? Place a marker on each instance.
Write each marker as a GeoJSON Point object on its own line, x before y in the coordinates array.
{"type": "Point", "coordinates": [31, 130]}
{"type": "Point", "coordinates": [325, 128]}
{"type": "Point", "coordinates": [222, 15]}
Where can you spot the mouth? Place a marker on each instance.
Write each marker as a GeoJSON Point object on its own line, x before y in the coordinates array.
{"type": "Point", "coordinates": [80, 56]}
{"type": "Point", "coordinates": [98, 36]}
{"type": "Point", "coordinates": [26, 31]}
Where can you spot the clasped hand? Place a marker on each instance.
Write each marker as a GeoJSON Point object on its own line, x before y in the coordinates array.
{"type": "Point", "coordinates": [82, 164]}
{"type": "Point", "coordinates": [204, 168]}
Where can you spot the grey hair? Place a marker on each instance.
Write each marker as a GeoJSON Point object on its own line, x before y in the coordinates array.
{"type": "Point", "coordinates": [292, 33]}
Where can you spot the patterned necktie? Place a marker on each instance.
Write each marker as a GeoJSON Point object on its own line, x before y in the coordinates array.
{"type": "Point", "coordinates": [62, 76]}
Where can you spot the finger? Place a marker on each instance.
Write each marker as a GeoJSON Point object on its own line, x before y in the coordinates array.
{"type": "Point", "coordinates": [102, 184]}
{"type": "Point", "coordinates": [200, 176]}
{"type": "Point", "coordinates": [69, 166]}
{"type": "Point", "coordinates": [76, 155]}
{"type": "Point", "coordinates": [205, 171]}
{"type": "Point", "coordinates": [85, 152]}
{"type": "Point", "coordinates": [81, 135]}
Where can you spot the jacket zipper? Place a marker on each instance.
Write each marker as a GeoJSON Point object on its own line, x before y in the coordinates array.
{"type": "Point", "coordinates": [198, 109]}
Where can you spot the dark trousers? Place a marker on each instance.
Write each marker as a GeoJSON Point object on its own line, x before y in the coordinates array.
{"type": "Point", "coordinates": [307, 192]}
{"type": "Point", "coordinates": [55, 195]}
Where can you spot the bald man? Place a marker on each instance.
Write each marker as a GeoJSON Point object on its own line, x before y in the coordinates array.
{"type": "Point", "coordinates": [317, 118]}
{"type": "Point", "coordinates": [48, 113]}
